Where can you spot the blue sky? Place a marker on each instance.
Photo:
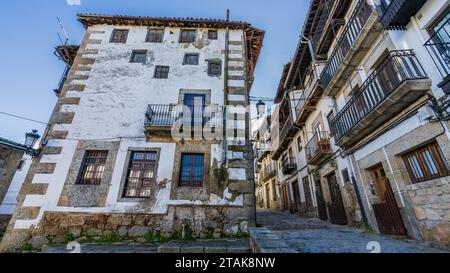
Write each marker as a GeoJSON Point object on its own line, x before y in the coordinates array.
{"type": "Point", "coordinates": [30, 71]}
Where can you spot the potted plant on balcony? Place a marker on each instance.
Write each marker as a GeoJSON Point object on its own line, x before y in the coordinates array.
{"type": "Point", "coordinates": [324, 144]}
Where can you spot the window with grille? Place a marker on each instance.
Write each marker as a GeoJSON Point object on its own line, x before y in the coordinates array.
{"type": "Point", "coordinates": [426, 163]}
{"type": "Point", "coordinates": [212, 34]}
{"type": "Point", "coordinates": [191, 59]}
{"type": "Point", "coordinates": [345, 175]}
{"type": "Point", "coordinates": [140, 175]}
{"type": "Point", "coordinates": [188, 36]}
{"type": "Point", "coordinates": [119, 36]}
{"type": "Point", "coordinates": [155, 35]}
{"type": "Point", "coordinates": [161, 72]}
{"type": "Point", "coordinates": [92, 168]}
{"type": "Point", "coordinates": [192, 170]}
{"type": "Point", "coordinates": [214, 68]}
{"type": "Point", "coordinates": [139, 56]}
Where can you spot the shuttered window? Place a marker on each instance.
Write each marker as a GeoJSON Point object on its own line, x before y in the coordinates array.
{"type": "Point", "coordinates": [139, 56]}
{"type": "Point", "coordinates": [92, 168]}
{"type": "Point", "coordinates": [192, 170]}
{"type": "Point", "coordinates": [188, 36]}
{"type": "Point", "coordinates": [191, 59]}
{"type": "Point", "coordinates": [426, 163]}
{"type": "Point", "coordinates": [119, 36]}
{"type": "Point", "coordinates": [214, 68]}
{"type": "Point", "coordinates": [141, 175]}
{"type": "Point", "coordinates": [155, 35]}
{"type": "Point", "coordinates": [161, 72]}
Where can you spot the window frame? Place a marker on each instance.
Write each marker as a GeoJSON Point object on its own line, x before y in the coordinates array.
{"type": "Point", "coordinates": [159, 40]}
{"type": "Point", "coordinates": [187, 55]}
{"type": "Point", "coordinates": [422, 163]}
{"type": "Point", "coordinates": [111, 39]}
{"type": "Point", "coordinates": [84, 166]}
{"type": "Point", "coordinates": [188, 41]}
{"type": "Point", "coordinates": [155, 74]}
{"type": "Point", "coordinates": [192, 184]}
{"type": "Point", "coordinates": [214, 62]}
{"type": "Point", "coordinates": [135, 52]}
{"type": "Point", "coordinates": [216, 37]}
{"type": "Point", "coordinates": [128, 168]}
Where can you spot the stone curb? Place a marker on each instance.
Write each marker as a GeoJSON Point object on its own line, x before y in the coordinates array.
{"type": "Point", "coordinates": [263, 240]}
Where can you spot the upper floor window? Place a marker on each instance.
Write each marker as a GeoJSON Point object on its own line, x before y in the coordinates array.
{"type": "Point", "coordinates": [155, 35]}
{"type": "Point", "coordinates": [92, 168]}
{"type": "Point", "coordinates": [426, 163]}
{"type": "Point", "coordinates": [192, 170]}
{"type": "Point", "coordinates": [191, 59]}
{"type": "Point", "coordinates": [140, 175]}
{"type": "Point", "coordinates": [119, 36]}
{"type": "Point", "coordinates": [188, 36]}
{"type": "Point", "coordinates": [139, 56]}
{"type": "Point", "coordinates": [161, 72]}
{"type": "Point", "coordinates": [214, 67]}
{"type": "Point", "coordinates": [212, 34]}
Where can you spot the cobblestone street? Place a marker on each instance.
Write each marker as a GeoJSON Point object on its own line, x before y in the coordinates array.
{"type": "Point", "coordinates": [308, 235]}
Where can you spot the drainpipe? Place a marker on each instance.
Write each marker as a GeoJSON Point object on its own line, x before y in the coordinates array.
{"type": "Point", "coordinates": [225, 93]}
{"type": "Point", "coordinates": [310, 47]}
{"type": "Point", "coordinates": [358, 195]}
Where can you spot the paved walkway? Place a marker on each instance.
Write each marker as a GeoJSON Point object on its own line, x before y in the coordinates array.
{"type": "Point", "coordinates": [308, 235]}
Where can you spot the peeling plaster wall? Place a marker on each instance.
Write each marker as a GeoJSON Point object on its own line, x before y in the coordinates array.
{"type": "Point", "coordinates": [113, 106]}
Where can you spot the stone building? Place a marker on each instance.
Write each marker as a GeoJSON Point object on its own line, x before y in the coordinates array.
{"type": "Point", "coordinates": [364, 117]}
{"type": "Point", "coordinates": [12, 161]}
{"type": "Point", "coordinates": [115, 160]}
{"type": "Point", "coordinates": [267, 187]}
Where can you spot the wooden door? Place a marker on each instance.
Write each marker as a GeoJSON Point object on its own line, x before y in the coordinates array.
{"type": "Point", "coordinates": [336, 206]}
{"type": "Point", "coordinates": [386, 211]}
{"type": "Point", "coordinates": [296, 192]}
{"type": "Point", "coordinates": [321, 207]}
{"type": "Point", "coordinates": [267, 196]}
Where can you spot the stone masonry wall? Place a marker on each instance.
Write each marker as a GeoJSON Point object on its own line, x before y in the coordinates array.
{"type": "Point", "coordinates": [9, 160]}
{"type": "Point", "coordinates": [431, 205]}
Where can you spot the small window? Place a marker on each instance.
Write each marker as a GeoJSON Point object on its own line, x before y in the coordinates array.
{"type": "Point", "coordinates": [426, 163]}
{"type": "Point", "coordinates": [155, 36]}
{"type": "Point", "coordinates": [161, 72]}
{"type": "Point", "coordinates": [212, 34]}
{"type": "Point", "coordinates": [345, 176]}
{"type": "Point", "coordinates": [119, 36]}
{"type": "Point", "coordinates": [139, 56]}
{"type": "Point", "coordinates": [92, 168]}
{"type": "Point", "coordinates": [192, 170]}
{"type": "Point", "coordinates": [140, 175]}
{"type": "Point", "coordinates": [188, 36]}
{"type": "Point", "coordinates": [21, 164]}
{"type": "Point", "coordinates": [191, 59]}
{"type": "Point", "coordinates": [214, 68]}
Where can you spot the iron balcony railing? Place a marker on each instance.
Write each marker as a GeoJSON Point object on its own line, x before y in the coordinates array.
{"type": "Point", "coordinates": [288, 165]}
{"type": "Point", "coordinates": [313, 75]}
{"type": "Point", "coordinates": [162, 115]}
{"type": "Point", "coordinates": [318, 145]}
{"type": "Point", "coordinates": [268, 171]}
{"type": "Point", "coordinates": [438, 47]}
{"type": "Point", "coordinates": [397, 13]}
{"type": "Point", "coordinates": [353, 28]}
{"type": "Point", "coordinates": [399, 66]}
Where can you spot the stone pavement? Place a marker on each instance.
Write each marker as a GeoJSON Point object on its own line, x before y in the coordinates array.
{"type": "Point", "coordinates": [308, 235]}
{"type": "Point", "coordinates": [199, 246]}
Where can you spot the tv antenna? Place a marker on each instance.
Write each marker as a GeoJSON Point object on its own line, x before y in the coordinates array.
{"type": "Point", "coordinates": [66, 40]}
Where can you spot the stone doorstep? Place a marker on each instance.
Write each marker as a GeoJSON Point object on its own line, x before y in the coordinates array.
{"type": "Point", "coordinates": [209, 246]}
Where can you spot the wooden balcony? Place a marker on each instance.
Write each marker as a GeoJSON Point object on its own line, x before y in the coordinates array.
{"type": "Point", "coordinates": [160, 118]}
{"type": "Point", "coordinates": [394, 85]}
{"type": "Point", "coordinates": [311, 95]}
{"type": "Point", "coordinates": [288, 165]}
{"type": "Point", "coordinates": [397, 13]}
{"type": "Point", "coordinates": [268, 171]}
{"type": "Point", "coordinates": [357, 37]}
{"type": "Point", "coordinates": [318, 148]}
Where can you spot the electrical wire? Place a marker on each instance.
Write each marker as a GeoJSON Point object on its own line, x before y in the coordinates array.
{"type": "Point", "coordinates": [24, 118]}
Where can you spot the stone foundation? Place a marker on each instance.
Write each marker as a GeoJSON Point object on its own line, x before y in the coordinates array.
{"type": "Point", "coordinates": [203, 222]}
{"type": "Point", "coordinates": [431, 205]}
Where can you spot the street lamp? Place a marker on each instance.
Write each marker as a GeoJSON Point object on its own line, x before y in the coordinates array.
{"type": "Point", "coordinates": [30, 140]}
{"type": "Point", "coordinates": [260, 108]}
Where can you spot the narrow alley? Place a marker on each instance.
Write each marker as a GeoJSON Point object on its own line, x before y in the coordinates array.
{"type": "Point", "coordinates": [311, 235]}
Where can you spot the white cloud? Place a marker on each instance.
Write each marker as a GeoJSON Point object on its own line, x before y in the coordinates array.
{"type": "Point", "coordinates": [73, 2]}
